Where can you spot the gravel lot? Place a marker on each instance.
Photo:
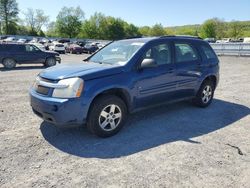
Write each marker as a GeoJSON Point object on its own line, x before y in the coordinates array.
{"type": "Point", "coordinates": [177, 145]}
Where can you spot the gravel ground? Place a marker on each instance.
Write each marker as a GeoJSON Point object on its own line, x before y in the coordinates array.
{"type": "Point", "coordinates": [177, 145]}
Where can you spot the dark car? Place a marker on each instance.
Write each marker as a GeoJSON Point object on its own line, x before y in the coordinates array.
{"type": "Point", "coordinates": [12, 54]}
{"type": "Point", "coordinates": [90, 48]}
{"type": "Point", "coordinates": [124, 77]}
{"type": "Point", "coordinates": [74, 49]}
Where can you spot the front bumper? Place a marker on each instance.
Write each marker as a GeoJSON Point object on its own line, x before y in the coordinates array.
{"type": "Point", "coordinates": [61, 112]}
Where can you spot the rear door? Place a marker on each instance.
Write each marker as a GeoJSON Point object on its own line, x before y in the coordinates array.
{"type": "Point", "coordinates": [188, 69]}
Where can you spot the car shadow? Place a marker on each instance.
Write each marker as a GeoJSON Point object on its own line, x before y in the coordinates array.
{"type": "Point", "coordinates": [22, 68]}
{"type": "Point", "coordinates": [147, 129]}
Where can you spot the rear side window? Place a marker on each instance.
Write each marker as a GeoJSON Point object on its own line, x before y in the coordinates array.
{"type": "Point", "coordinates": [185, 53]}
{"type": "Point", "coordinates": [208, 52]}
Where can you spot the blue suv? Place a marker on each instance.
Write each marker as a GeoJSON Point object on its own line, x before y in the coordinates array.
{"type": "Point", "coordinates": [124, 77]}
{"type": "Point", "coordinates": [12, 54]}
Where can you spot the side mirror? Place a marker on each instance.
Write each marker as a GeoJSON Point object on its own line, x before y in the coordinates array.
{"type": "Point", "coordinates": [148, 63]}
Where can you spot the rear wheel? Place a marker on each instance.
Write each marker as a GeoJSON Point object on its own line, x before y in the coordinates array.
{"type": "Point", "coordinates": [107, 116]}
{"type": "Point", "coordinates": [205, 94]}
{"type": "Point", "coordinates": [51, 61]}
{"type": "Point", "coordinates": [9, 63]}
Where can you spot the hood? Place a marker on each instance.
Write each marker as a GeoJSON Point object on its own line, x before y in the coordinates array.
{"type": "Point", "coordinates": [84, 70]}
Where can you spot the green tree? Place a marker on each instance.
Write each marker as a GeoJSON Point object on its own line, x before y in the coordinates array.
{"type": "Point", "coordinates": [221, 28]}
{"type": "Point", "coordinates": [157, 30]}
{"type": "Point", "coordinates": [100, 26]}
{"type": "Point", "coordinates": [208, 29]}
{"type": "Point", "coordinates": [145, 30]}
{"type": "Point", "coordinates": [115, 30]}
{"type": "Point", "coordinates": [131, 30]}
{"type": "Point", "coordinates": [8, 15]}
{"type": "Point", "coordinates": [95, 27]}
{"type": "Point", "coordinates": [236, 29]}
{"type": "Point", "coordinates": [69, 21]}
{"type": "Point", "coordinates": [169, 31]}
{"type": "Point", "coordinates": [51, 30]}
{"type": "Point", "coordinates": [35, 20]}
{"type": "Point", "coordinates": [22, 30]}
{"type": "Point", "coordinates": [192, 31]}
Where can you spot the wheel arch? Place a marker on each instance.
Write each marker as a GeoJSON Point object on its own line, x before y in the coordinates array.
{"type": "Point", "coordinates": [2, 59]}
{"type": "Point", "coordinates": [119, 92]}
{"type": "Point", "coordinates": [211, 78]}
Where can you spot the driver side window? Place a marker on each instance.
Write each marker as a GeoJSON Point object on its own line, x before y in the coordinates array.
{"type": "Point", "coordinates": [30, 48]}
{"type": "Point", "coordinates": [160, 53]}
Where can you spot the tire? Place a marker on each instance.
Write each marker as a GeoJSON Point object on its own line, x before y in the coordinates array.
{"type": "Point", "coordinates": [107, 116]}
{"type": "Point", "coordinates": [205, 94]}
{"type": "Point", "coordinates": [9, 63]}
{"type": "Point", "coordinates": [51, 61]}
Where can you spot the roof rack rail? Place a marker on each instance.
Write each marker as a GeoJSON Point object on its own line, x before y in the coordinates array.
{"type": "Point", "coordinates": [184, 36]}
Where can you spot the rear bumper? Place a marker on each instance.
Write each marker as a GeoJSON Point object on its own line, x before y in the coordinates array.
{"type": "Point", "coordinates": [61, 112]}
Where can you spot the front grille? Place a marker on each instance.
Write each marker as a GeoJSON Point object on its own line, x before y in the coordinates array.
{"type": "Point", "coordinates": [42, 90]}
{"type": "Point", "coordinates": [47, 80]}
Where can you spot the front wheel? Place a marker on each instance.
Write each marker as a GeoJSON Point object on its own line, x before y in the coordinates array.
{"type": "Point", "coordinates": [205, 94]}
{"type": "Point", "coordinates": [51, 61]}
{"type": "Point", "coordinates": [107, 116]}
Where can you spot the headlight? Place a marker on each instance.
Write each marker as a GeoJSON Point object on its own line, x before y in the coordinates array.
{"type": "Point", "coordinates": [73, 88]}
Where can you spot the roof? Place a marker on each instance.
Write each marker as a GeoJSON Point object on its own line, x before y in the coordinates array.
{"type": "Point", "coordinates": [147, 39]}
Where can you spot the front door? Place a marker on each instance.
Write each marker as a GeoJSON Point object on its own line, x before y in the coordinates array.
{"type": "Point", "coordinates": [156, 84]}
{"type": "Point", "coordinates": [33, 54]}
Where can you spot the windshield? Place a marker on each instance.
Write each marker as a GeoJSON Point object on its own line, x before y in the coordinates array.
{"type": "Point", "coordinates": [118, 52]}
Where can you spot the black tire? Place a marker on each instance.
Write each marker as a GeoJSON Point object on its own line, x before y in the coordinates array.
{"type": "Point", "coordinates": [205, 94]}
{"type": "Point", "coordinates": [9, 63]}
{"type": "Point", "coordinates": [51, 61]}
{"type": "Point", "coordinates": [104, 104]}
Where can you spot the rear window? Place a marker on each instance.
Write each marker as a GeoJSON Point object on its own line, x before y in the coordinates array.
{"type": "Point", "coordinates": [185, 53]}
{"type": "Point", "coordinates": [208, 52]}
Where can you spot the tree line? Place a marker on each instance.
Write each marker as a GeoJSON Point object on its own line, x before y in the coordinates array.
{"type": "Point", "coordinates": [71, 23]}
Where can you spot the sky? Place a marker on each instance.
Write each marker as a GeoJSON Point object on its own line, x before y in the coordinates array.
{"type": "Point", "coordinates": [149, 12]}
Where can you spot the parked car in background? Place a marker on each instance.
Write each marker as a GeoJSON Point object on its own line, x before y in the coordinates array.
{"type": "Point", "coordinates": [100, 45]}
{"type": "Point", "coordinates": [112, 83]}
{"type": "Point", "coordinates": [57, 47]}
{"type": "Point", "coordinates": [63, 41]}
{"type": "Point", "coordinates": [224, 40]}
{"type": "Point", "coordinates": [81, 43]}
{"type": "Point", "coordinates": [74, 49]}
{"type": "Point", "coordinates": [210, 40]}
{"type": "Point", "coordinates": [89, 48]}
{"type": "Point", "coordinates": [246, 40]}
{"type": "Point", "coordinates": [40, 46]}
{"type": "Point", "coordinates": [12, 54]}
{"type": "Point", "coordinates": [9, 39]}
{"type": "Point", "coordinates": [22, 41]}
{"type": "Point", "coordinates": [34, 40]}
